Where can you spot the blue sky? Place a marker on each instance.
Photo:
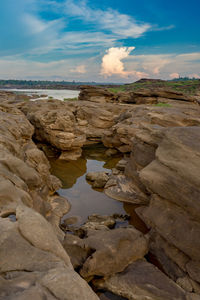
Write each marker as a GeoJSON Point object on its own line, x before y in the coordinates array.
{"type": "Point", "coordinates": [107, 40]}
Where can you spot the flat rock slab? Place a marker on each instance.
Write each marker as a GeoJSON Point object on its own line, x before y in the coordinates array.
{"type": "Point", "coordinates": [143, 281]}
{"type": "Point", "coordinates": [123, 189]}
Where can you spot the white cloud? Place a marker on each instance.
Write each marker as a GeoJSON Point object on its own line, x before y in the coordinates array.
{"type": "Point", "coordinates": [153, 63]}
{"type": "Point", "coordinates": [195, 75]}
{"type": "Point", "coordinates": [132, 68]}
{"type": "Point", "coordinates": [121, 25]}
{"type": "Point", "coordinates": [174, 75]}
{"type": "Point", "coordinates": [112, 61]}
{"type": "Point", "coordinates": [79, 69]}
{"type": "Point", "coordinates": [190, 56]}
{"type": "Point", "coordinates": [35, 24]}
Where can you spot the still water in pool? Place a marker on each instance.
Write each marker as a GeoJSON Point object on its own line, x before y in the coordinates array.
{"type": "Point", "coordinates": [83, 198]}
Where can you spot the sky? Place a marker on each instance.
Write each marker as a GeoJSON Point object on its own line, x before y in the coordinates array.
{"type": "Point", "coordinates": [102, 41]}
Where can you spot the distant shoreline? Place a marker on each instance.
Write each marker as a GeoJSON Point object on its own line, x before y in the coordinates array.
{"type": "Point", "coordinates": [49, 85]}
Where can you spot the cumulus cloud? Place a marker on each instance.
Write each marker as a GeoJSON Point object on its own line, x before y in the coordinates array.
{"type": "Point", "coordinates": [112, 63]}
{"type": "Point", "coordinates": [194, 75]}
{"type": "Point", "coordinates": [79, 69]}
{"type": "Point", "coordinates": [133, 67]}
{"type": "Point", "coordinates": [174, 75]}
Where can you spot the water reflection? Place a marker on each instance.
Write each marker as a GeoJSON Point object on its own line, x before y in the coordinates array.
{"type": "Point", "coordinates": [68, 172]}
{"type": "Point", "coordinates": [83, 198]}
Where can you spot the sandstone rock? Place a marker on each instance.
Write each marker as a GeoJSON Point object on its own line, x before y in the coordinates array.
{"type": "Point", "coordinates": [121, 165]}
{"type": "Point", "coordinates": [67, 285]}
{"type": "Point", "coordinates": [22, 286]}
{"type": "Point", "coordinates": [172, 179]}
{"type": "Point", "coordinates": [192, 296]}
{"type": "Point", "coordinates": [123, 189]}
{"type": "Point", "coordinates": [111, 152]}
{"type": "Point", "coordinates": [108, 221]}
{"type": "Point", "coordinates": [136, 98]}
{"type": "Point", "coordinates": [77, 249]}
{"type": "Point", "coordinates": [173, 224]}
{"type": "Point", "coordinates": [97, 222]}
{"type": "Point", "coordinates": [115, 250]}
{"type": "Point", "coordinates": [39, 232]}
{"type": "Point", "coordinates": [172, 260]}
{"type": "Point", "coordinates": [59, 207]}
{"type": "Point", "coordinates": [185, 283]}
{"type": "Point", "coordinates": [94, 94]}
{"type": "Point", "coordinates": [98, 179]}
{"type": "Point", "coordinates": [172, 167]}
{"type": "Point", "coordinates": [22, 256]}
{"type": "Point", "coordinates": [142, 281]}
{"type": "Point", "coordinates": [193, 268]}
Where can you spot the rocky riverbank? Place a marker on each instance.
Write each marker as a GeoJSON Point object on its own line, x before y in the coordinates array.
{"type": "Point", "coordinates": [160, 172]}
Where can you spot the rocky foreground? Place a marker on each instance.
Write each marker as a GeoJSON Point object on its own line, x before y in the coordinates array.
{"type": "Point", "coordinates": [159, 135]}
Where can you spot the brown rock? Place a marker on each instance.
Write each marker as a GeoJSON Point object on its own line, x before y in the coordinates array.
{"type": "Point", "coordinates": [98, 179]}
{"type": "Point", "coordinates": [115, 250]}
{"type": "Point", "coordinates": [142, 280]}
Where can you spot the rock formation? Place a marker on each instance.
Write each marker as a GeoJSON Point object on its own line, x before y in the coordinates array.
{"type": "Point", "coordinates": [33, 262]}
{"type": "Point", "coordinates": [142, 96]}
{"type": "Point", "coordinates": [160, 172]}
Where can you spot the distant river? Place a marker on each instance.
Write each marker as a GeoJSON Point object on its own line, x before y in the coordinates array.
{"type": "Point", "coordinates": [56, 94]}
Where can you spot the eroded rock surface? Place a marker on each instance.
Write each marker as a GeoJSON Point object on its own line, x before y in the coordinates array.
{"type": "Point", "coordinates": [115, 249]}
{"type": "Point", "coordinates": [98, 179]}
{"type": "Point", "coordinates": [33, 262]}
{"type": "Point", "coordinates": [160, 172]}
{"type": "Point", "coordinates": [143, 281]}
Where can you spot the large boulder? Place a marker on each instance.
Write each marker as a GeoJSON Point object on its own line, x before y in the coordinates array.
{"type": "Point", "coordinates": [95, 94]}
{"type": "Point", "coordinates": [114, 251]}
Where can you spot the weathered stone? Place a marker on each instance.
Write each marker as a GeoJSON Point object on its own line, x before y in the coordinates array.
{"type": "Point", "coordinates": [66, 284]}
{"type": "Point", "coordinates": [123, 189]}
{"type": "Point", "coordinates": [77, 249]}
{"type": "Point", "coordinates": [94, 94]}
{"type": "Point", "coordinates": [192, 296]}
{"type": "Point", "coordinates": [185, 283]}
{"type": "Point", "coordinates": [39, 232]}
{"type": "Point", "coordinates": [172, 260]}
{"type": "Point", "coordinates": [115, 250]}
{"type": "Point", "coordinates": [98, 179]}
{"type": "Point", "coordinates": [22, 256]}
{"type": "Point", "coordinates": [142, 281]}
{"type": "Point", "coordinates": [108, 221]}
{"type": "Point", "coordinates": [111, 152]}
{"type": "Point", "coordinates": [173, 223]}
{"type": "Point", "coordinates": [193, 268]}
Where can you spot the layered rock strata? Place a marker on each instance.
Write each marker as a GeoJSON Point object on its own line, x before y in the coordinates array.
{"type": "Point", "coordinates": [142, 96]}
{"type": "Point", "coordinates": [165, 164]}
